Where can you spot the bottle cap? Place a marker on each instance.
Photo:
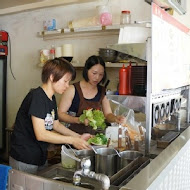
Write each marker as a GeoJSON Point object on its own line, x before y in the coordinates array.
{"type": "Point", "coordinates": [125, 12]}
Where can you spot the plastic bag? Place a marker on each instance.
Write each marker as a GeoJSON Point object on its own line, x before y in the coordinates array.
{"type": "Point", "coordinates": [133, 127]}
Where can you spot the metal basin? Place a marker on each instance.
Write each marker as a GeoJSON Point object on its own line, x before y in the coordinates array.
{"type": "Point", "coordinates": [86, 154]}
{"type": "Point", "coordinates": [126, 158]}
{"type": "Point", "coordinates": [65, 176]}
{"type": "Point", "coordinates": [105, 161]}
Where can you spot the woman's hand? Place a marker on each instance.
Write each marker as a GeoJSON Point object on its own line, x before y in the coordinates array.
{"type": "Point", "coordinates": [120, 119]}
{"type": "Point", "coordinates": [80, 143]}
{"type": "Point", "coordinates": [86, 136]}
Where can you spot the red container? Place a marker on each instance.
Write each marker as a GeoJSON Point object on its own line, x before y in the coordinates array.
{"type": "Point", "coordinates": [129, 90]}
{"type": "Point", "coordinates": [125, 80]}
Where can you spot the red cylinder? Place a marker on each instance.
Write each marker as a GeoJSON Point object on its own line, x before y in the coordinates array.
{"type": "Point", "coordinates": [123, 81]}
{"type": "Point", "coordinates": [129, 90]}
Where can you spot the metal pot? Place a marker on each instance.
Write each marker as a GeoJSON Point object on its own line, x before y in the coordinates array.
{"type": "Point", "coordinates": [105, 161]}
{"type": "Point", "coordinates": [127, 157]}
{"type": "Point", "coordinates": [86, 154]}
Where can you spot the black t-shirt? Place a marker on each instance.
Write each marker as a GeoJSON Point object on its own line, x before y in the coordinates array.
{"type": "Point", "coordinates": [24, 145]}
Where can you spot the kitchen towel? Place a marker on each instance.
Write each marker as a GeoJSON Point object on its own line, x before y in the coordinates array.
{"type": "Point", "coordinates": [4, 171]}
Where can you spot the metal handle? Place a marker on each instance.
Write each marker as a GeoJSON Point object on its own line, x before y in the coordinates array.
{"type": "Point", "coordinates": [65, 151]}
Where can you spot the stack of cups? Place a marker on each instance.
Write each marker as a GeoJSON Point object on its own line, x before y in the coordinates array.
{"type": "Point", "coordinates": [58, 52]}
{"type": "Point", "coordinates": [67, 51]}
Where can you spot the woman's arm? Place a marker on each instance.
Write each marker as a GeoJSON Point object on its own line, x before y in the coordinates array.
{"type": "Point", "coordinates": [110, 117]}
{"type": "Point", "coordinates": [57, 138]}
{"type": "Point", "coordinates": [65, 104]}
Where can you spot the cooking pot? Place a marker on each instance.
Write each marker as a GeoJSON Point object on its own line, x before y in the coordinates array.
{"type": "Point", "coordinates": [105, 161]}
{"type": "Point", "coordinates": [127, 157]}
{"type": "Point", "coordinates": [86, 154]}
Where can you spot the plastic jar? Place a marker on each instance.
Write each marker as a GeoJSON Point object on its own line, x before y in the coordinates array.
{"type": "Point", "coordinates": [105, 15]}
{"type": "Point", "coordinates": [125, 17]}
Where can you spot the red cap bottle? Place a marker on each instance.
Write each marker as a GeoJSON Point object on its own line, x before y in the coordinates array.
{"type": "Point", "coordinates": [123, 81]}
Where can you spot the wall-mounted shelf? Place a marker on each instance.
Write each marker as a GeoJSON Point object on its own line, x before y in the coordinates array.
{"type": "Point", "coordinates": [80, 32]}
{"type": "Point", "coordinates": [108, 64]}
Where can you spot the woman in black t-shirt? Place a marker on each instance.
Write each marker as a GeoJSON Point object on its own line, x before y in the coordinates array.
{"type": "Point", "coordinates": [37, 122]}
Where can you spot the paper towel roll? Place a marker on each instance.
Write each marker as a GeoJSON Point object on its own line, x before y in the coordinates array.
{"type": "Point", "coordinates": [58, 52]}
{"type": "Point", "coordinates": [67, 50]}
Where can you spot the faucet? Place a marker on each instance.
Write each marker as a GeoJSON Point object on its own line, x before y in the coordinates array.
{"type": "Point", "coordinates": [85, 171]}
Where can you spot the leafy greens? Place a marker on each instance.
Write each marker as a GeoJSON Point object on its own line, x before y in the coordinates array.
{"type": "Point", "coordinates": [96, 118]}
{"type": "Point", "coordinates": [98, 139]}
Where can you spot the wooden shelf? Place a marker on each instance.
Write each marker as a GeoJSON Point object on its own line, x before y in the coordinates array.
{"type": "Point", "coordinates": [80, 32]}
{"type": "Point", "coordinates": [108, 64]}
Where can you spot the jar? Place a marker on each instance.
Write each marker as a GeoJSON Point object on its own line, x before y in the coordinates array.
{"type": "Point", "coordinates": [125, 17]}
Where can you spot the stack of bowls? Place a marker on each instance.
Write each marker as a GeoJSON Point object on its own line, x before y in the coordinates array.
{"type": "Point", "coordinates": [108, 55]}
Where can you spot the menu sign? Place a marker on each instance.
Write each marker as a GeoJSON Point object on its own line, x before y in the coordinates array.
{"type": "Point", "coordinates": [170, 52]}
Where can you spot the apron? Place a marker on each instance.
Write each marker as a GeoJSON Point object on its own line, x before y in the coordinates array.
{"type": "Point", "coordinates": [83, 105]}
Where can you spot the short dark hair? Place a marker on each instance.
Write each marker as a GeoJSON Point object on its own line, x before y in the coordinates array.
{"type": "Point", "coordinates": [57, 67]}
{"type": "Point", "coordinates": [90, 62]}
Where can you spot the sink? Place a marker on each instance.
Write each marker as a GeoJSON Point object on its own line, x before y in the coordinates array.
{"type": "Point", "coordinates": [60, 174]}
{"type": "Point", "coordinates": [121, 178]}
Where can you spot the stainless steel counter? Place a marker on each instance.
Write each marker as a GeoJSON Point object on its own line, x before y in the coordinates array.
{"type": "Point", "coordinates": [169, 170]}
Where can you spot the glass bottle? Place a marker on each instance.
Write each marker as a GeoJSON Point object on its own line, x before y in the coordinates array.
{"type": "Point", "coordinates": [125, 17]}
{"type": "Point", "coordinates": [52, 52]}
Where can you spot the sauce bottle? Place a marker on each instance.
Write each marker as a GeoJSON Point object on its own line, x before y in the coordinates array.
{"type": "Point", "coordinates": [123, 81]}
{"type": "Point", "coordinates": [119, 137]}
{"type": "Point", "coordinates": [128, 88]}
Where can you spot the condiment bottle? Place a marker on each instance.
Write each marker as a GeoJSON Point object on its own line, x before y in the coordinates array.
{"type": "Point", "coordinates": [128, 85]}
{"type": "Point", "coordinates": [125, 17]}
{"type": "Point", "coordinates": [123, 81]}
{"type": "Point", "coordinates": [136, 143]}
{"type": "Point", "coordinates": [52, 52]}
{"type": "Point", "coordinates": [119, 137]}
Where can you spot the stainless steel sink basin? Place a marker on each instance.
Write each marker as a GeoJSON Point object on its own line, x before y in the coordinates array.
{"type": "Point", "coordinates": [57, 172]}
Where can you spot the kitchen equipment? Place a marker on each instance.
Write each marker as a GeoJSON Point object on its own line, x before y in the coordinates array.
{"type": "Point", "coordinates": [167, 139]}
{"type": "Point", "coordinates": [105, 161]}
{"type": "Point", "coordinates": [3, 83]}
{"type": "Point", "coordinates": [68, 158]}
{"type": "Point", "coordinates": [86, 154]}
{"type": "Point", "coordinates": [139, 80]}
{"type": "Point", "coordinates": [108, 55]}
{"type": "Point", "coordinates": [126, 157]}
{"type": "Point", "coordinates": [67, 52]}
{"type": "Point", "coordinates": [58, 51]}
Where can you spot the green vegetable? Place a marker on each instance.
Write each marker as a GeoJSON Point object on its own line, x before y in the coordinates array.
{"type": "Point", "coordinates": [96, 118]}
{"type": "Point", "coordinates": [99, 139]}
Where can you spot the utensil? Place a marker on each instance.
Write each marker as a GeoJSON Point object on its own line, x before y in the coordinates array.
{"type": "Point", "coordinates": [127, 157]}
{"type": "Point", "coordinates": [107, 82]}
{"type": "Point", "coordinates": [66, 152]}
{"type": "Point", "coordinates": [105, 161]}
{"type": "Point", "coordinates": [117, 152]}
{"type": "Point", "coordinates": [94, 149]}
{"type": "Point", "coordinates": [109, 140]}
{"type": "Point", "coordinates": [72, 149]}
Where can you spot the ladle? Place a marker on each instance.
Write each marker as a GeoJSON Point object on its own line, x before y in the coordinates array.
{"type": "Point", "coordinates": [66, 152]}
{"type": "Point", "coordinates": [72, 149]}
{"type": "Point", "coordinates": [94, 150]}
{"type": "Point", "coordinates": [117, 152]}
